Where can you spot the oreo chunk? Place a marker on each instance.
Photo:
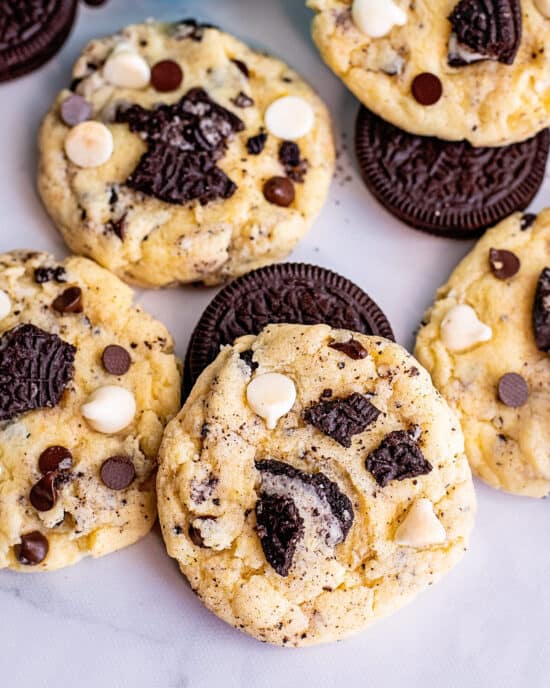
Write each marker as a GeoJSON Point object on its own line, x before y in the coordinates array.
{"type": "Point", "coordinates": [342, 418]}
{"type": "Point", "coordinates": [191, 28]}
{"type": "Point", "coordinates": [485, 30]}
{"type": "Point", "coordinates": [285, 293]}
{"type": "Point", "coordinates": [184, 141]}
{"type": "Point", "coordinates": [35, 369]}
{"type": "Point", "coordinates": [447, 188]}
{"type": "Point", "coordinates": [293, 502]}
{"type": "Point", "coordinates": [541, 312]}
{"type": "Point", "coordinates": [31, 32]}
{"type": "Point", "coordinates": [397, 458]}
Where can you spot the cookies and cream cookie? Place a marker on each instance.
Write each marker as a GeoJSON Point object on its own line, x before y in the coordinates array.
{"type": "Point", "coordinates": [454, 69]}
{"type": "Point", "coordinates": [486, 343]}
{"type": "Point", "coordinates": [314, 482]}
{"type": "Point", "coordinates": [87, 384]}
{"type": "Point", "coordinates": [179, 154]}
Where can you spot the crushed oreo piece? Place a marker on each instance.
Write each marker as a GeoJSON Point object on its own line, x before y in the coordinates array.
{"type": "Point", "coordinates": [47, 274]}
{"type": "Point", "coordinates": [342, 418]}
{"type": "Point", "coordinates": [354, 349]}
{"type": "Point", "coordinates": [256, 144]}
{"type": "Point", "coordinates": [185, 141]}
{"type": "Point", "coordinates": [35, 369]}
{"type": "Point", "coordinates": [485, 30]}
{"type": "Point", "coordinates": [398, 457]}
{"type": "Point", "coordinates": [242, 67]}
{"type": "Point", "coordinates": [191, 28]}
{"type": "Point", "coordinates": [242, 100]}
{"type": "Point", "coordinates": [280, 527]}
{"type": "Point", "coordinates": [527, 221]}
{"type": "Point", "coordinates": [247, 357]}
{"type": "Point", "coordinates": [541, 312]}
{"type": "Point", "coordinates": [117, 227]}
{"type": "Point", "coordinates": [290, 158]}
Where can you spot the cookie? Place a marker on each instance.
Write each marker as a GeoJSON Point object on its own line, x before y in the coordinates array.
{"type": "Point", "coordinates": [87, 384]}
{"type": "Point", "coordinates": [486, 343]}
{"type": "Point", "coordinates": [447, 188]}
{"type": "Point", "coordinates": [31, 33]}
{"type": "Point", "coordinates": [180, 155]}
{"type": "Point", "coordinates": [306, 491]}
{"type": "Point", "coordinates": [453, 69]}
{"type": "Point", "coordinates": [292, 293]}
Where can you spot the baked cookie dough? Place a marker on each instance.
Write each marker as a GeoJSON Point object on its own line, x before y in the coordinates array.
{"type": "Point", "coordinates": [87, 384]}
{"type": "Point", "coordinates": [486, 343]}
{"type": "Point", "coordinates": [313, 482]}
{"type": "Point", "coordinates": [455, 69]}
{"type": "Point", "coordinates": [179, 154]}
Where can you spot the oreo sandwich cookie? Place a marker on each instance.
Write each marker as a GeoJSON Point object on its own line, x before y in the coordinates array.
{"type": "Point", "coordinates": [290, 293]}
{"type": "Point", "coordinates": [447, 188]}
{"type": "Point", "coordinates": [31, 32]}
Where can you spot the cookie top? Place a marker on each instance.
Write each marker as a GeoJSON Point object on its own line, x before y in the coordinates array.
{"type": "Point", "coordinates": [486, 343]}
{"type": "Point", "coordinates": [87, 383]}
{"type": "Point", "coordinates": [447, 188]}
{"type": "Point", "coordinates": [31, 33]}
{"type": "Point", "coordinates": [305, 491]}
{"type": "Point", "coordinates": [292, 293]}
{"type": "Point", "coordinates": [454, 69]}
{"type": "Point", "coordinates": [179, 154]}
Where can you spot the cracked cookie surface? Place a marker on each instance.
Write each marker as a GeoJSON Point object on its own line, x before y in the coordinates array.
{"type": "Point", "coordinates": [500, 385]}
{"type": "Point", "coordinates": [285, 533]}
{"type": "Point", "coordinates": [499, 97]}
{"type": "Point", "coordinates": [67, 329]}
{"type": "Point", "coordinates": [184, 195]}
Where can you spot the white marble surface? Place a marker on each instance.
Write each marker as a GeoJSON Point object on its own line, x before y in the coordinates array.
{"type": "Point", "coordinates": [130, 619]}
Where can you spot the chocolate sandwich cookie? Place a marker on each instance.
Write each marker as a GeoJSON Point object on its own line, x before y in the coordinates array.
{"type": "Point", "coordinates": [31, 33]}
{"type": "Point", "coordinates": [293, 293]}
{"type": "Point", "coordinates": [447, 188]}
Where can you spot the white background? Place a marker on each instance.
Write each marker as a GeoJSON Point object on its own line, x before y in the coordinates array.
{"type": "Point", "coordinates": [130, 619]}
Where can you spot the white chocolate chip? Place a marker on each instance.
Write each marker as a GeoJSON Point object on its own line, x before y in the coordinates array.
{"type": "Point", "coordinates": [5, 304]}
{"type": "Point", "coordinates": [289, 118]}
{"type": "Point", "coordinates": [461, 329]}
{"type": "Point", "coordinates": [376, 18]}
{"type": "Point", "coordinates": [109, 409]}
{"type": "Point", "coordinates": [421, 527]}
{"type": "Point", "coordinates": [543, 7]}
{"type": "Point", "coordinates": [89, 144]}
{"type": "Point", "coordinates": [126, 69]}
{"type": "Point", "coordinates": [271, 396]}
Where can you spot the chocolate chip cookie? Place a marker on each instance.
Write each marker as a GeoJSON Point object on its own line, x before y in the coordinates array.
{"type": "Point", "coordinates": [178, 154]}
{"type": "Point", "coordinates": [314, 482]}
{"type": "Point", "coordinates": [87, 384]}
{"type": "Point", "coordinates": [454, 69]}
{"type": "Point", "coordinates": [486, 343]}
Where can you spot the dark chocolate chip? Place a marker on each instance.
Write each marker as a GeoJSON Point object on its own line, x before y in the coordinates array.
{"type": "Point", "coordinates": [256, 144]}
{"type": "Point", "coordinates": [116, 360]}
{"type": "Point", "coordinates": [184, 141]}
{"type": "Point", "coordinates": [43, 495]}
{"type": "Point", "coordinates": [117, 472]}
{"type": "Point", "coordinates": [31, 32]}
{"type": "Point", "coordinates": [75, 109]}
{"type": "Point", "coordinates": [342, 418]}
{"type": "Point", "coordinates": [485, 29]}
{"type": "Point", "coordinates": [69, 301]}
{"type": "Point", "coordinates": [242, 67]}
{"type": "Point", "coordinates": [513, 390]}
{"type": "Point", "coordinates": [47, 274]}
{"type": "Point", "coordinates": [166, 76]}
{"type": "Point", "coordinates": [242, 100]}
{"type": "Point", "coordinates": [33, 549]}
{"type": "Point", "coordinates": [279, 191]}
{"type": "Point", "coordinates": [398, 457]}
{"type": "Point", "coordinates": [247, 356]}
{"type": "Point", "coordinates": [35, 369]}
{"type": "Point", "coordinates": [474, 188]}
{"type": "Point", "coordinates": [541, 311]}
{"type": "Point", "coordinates": [504, 264]}
{"type": "Point", "coordinates": [283, 293]}
{"type": "Point", "coordinates": [352, 348]}
{"type": "Point", "coordinates": [55, 458]}
{"type": "Point", "coordinates": [427, 88]}
{"type": "Point", "coordinates": [527, 221]}
{"type": "Point", "coordinates": [195, 534]}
